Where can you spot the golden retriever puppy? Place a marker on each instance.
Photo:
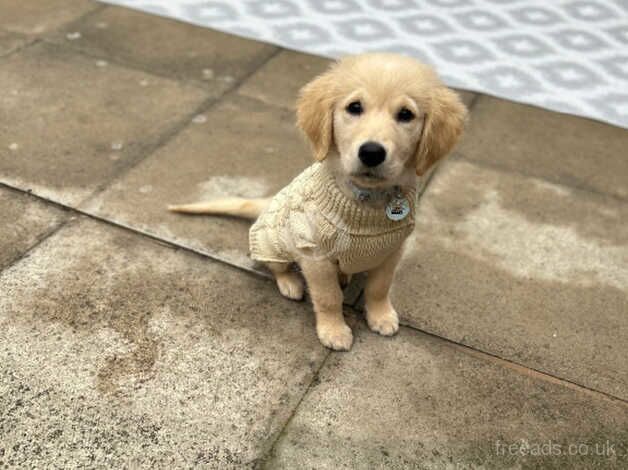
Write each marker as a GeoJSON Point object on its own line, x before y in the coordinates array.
{"type": "Point", "coordinates": [375, 123]}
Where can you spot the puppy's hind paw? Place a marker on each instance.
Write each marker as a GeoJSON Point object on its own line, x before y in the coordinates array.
{"type": "Point", "coordinates": [290, 285]}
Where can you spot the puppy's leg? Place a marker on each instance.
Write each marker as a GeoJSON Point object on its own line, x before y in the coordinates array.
{"type": "Point", "coordinates": [322, 281]}
{"type": "Point", "coordinates": [290, 283]}
{"type": "Point", "coordinates": [380, 314]}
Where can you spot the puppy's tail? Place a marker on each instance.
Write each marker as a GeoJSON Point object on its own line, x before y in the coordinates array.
{"type": "Point", "coordinates": [234, 206]}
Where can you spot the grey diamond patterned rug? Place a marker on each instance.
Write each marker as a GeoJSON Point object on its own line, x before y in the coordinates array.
{"type": "Point", "coordinates": [563, 55]}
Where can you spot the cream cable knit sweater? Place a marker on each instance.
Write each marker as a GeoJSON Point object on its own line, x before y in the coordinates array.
{"type": "Point", "coordinates": [312, 217]}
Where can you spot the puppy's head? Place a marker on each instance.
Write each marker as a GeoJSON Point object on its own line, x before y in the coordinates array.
{"type": "Point", "coordinates": [382, 115]}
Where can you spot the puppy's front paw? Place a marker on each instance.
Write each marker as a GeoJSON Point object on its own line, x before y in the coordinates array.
{"type": "Point", "coordinates": [384, 321]}
{"type": "Point", "coordinates": [335, 336]}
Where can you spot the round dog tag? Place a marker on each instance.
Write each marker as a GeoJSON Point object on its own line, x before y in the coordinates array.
{"type": "Point", "coordinates": [398, 209]}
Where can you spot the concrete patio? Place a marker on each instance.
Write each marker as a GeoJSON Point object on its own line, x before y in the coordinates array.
{"type": "Point", "coordinates": [133, 337]}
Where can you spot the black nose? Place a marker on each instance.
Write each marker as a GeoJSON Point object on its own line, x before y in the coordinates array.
{"type": "Point", "coordinates": [372, 153]}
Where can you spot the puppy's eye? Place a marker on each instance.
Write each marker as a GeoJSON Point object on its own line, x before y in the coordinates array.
{"type": "Point", "coordinates": [405, 115]}
{"type": "Point", "coordinates": [355, 108]}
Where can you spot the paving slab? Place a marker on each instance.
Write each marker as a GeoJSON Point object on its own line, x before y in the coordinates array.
{"type": "Point", "coordinates": [118, 351]}
{"type": "Point", "coordinates": [241, 147]}
{"type": "Point", "coordinates": [279, 80]}
{"type": "Point", "coordinates": [212, 58]}
{"type": "Point", "coordinates": [413, 401]}
{"type": "Point", "coordinates": [70, 123]}
{"type": "Point", "coordinates": [565, 149]}
{"type": "Point", "coordinates": [25, 221]}
{"type": "Point", "coordinates": [530, 271]}
{"type": "Point", "coordinates": [9, 42]}
{"type": "Point", "coordinates": [36, 17]}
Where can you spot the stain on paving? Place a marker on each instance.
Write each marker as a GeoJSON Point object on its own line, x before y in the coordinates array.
{"type": "Point", "coordinates": [527, 270]}
{"type": "Point", "coordinates": [549, 230]}
{"type": "Point", "coordinates": [159, 338]}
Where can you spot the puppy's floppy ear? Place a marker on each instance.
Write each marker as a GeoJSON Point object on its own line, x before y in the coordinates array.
{"type": "Point", "coordinates": [444, 122]}
{"type": "Point", "coordinates": [314, 113]}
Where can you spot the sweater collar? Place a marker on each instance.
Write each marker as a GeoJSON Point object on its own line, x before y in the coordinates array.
{"type": "Point", "coordinates": [350, 214]}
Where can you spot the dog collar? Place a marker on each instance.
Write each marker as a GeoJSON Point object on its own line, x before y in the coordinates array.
{"type": "Point", "coordinates": [373, 195]}
{"type": "Point", "coordinates": [397, 207]}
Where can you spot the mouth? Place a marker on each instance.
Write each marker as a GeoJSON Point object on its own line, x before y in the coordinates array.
{"type": "Point", "coordinates": [367, 175]}
{"type": "Point", "coordinates": [367, 179]}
